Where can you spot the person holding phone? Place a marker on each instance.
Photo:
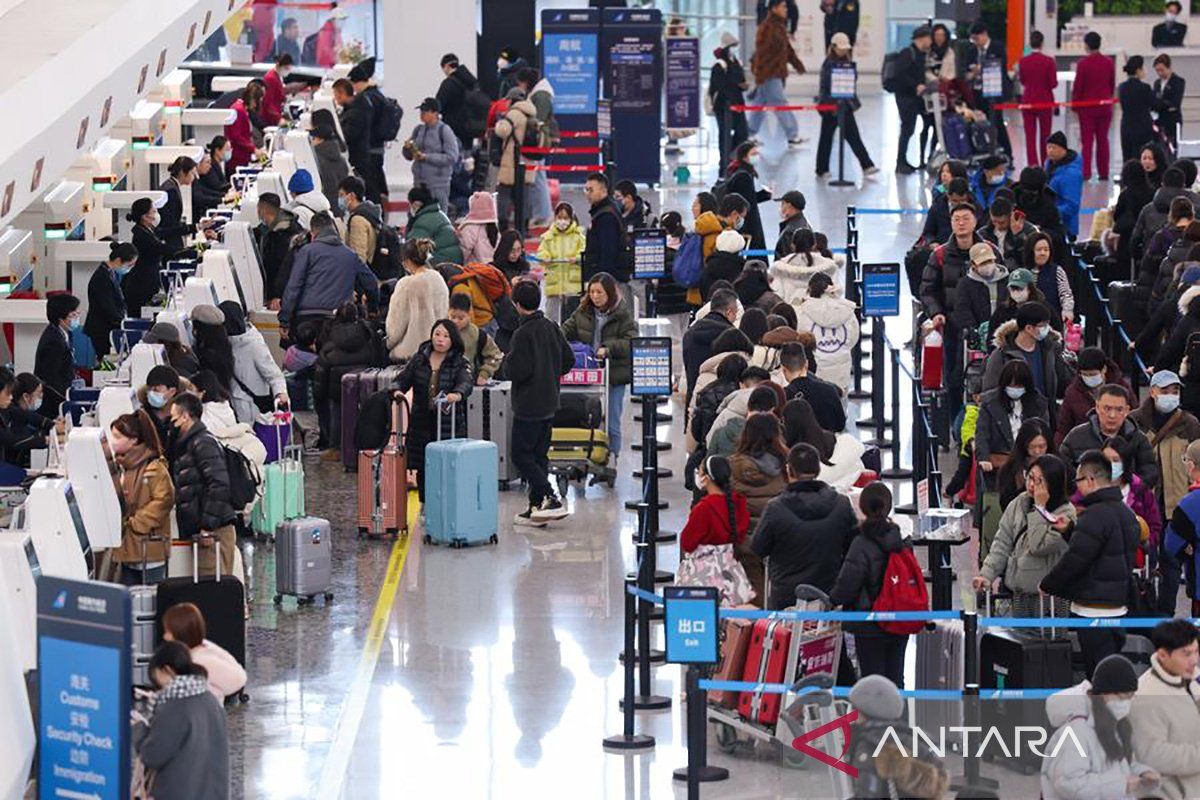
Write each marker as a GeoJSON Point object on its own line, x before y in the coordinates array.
{"type": "Point", "coordinates": [1026, 545]}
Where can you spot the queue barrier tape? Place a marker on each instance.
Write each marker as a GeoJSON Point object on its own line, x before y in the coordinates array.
{"type": "Point", "coordinates": [887, 211]}
{"type": "Point", "coordinates": [578, 135]}
{"type": "Point", "coordinates": [1108, 101]}
{"type": "Point", "coordinates": [840, 616]}
{"type": "Point", "coordinates": [844, 691]}
{"type": "Point", "coordinates": [808, 107]}
{"type": "Point", "coordinates": [564, 167]}
{"type": "Point", "coordinates": [1072, 622]}
{"type": "Point", "coordinates": [560, 151]}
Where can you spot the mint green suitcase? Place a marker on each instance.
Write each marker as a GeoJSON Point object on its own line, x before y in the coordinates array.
{"type": "Point", "coordinates": [283, 494]}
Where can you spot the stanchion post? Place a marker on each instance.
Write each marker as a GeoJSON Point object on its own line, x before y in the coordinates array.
{"type": "Point", "coordinates": [627, 739]}
{"type": "Point", "coordinates": [726, 132]}
{"type": "Point", "coordinates": [646, 700]}
{"type": "Point", "coordinates": [610, 167]}
{"type": "Point", "coordinates": [841, 122]}
{"type": "Point", "coordinates": [971, 783]}
{"type": "Point", "coordinates": [920, 450]}
{"type": "Point", "coordinates": [697, 770]}
{"type": "Point", "coordinates": [518, 190]}
{"type": "Point", "coordinates": [878, 419]}
{"type": "Point", "coordinates": [896, 470]}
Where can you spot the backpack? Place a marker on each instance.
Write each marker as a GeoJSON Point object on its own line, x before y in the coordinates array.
{"type": "Point", "coordinates": [1191, 355]}
{"type": "Point", "coordinates": [487, 287]}
{"type": "Point", "coordinates": [385, 261]}
{"type": "Point", "coordinates": [689, 261]}
{"type": "Point", "coordinates": [243, 478]}
{"type": "Point", "coordinates": [373, 425]}
{"type": "Point", "coordinates": [891, 71]}
{"type": "Point", "coordinates": [957, 140]}
{"type": "Point", "coordinates": [386, 119]}
{"type": "Point", "coordinates": [903, 589]}
{"type": "Point", "coordinates": [475, 111]}
{"type": "Point", "coordinates": [495, 149]}
{"type": "Point", "coordinates": [720, 189]}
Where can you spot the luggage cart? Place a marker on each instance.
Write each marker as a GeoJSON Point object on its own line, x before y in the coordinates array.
{"type": "Point", "coordinates": [814, 652]}
{"type": "Point", "coordinates": [577, 452]}
{"type": "Point", "coordinates": [935, 103]}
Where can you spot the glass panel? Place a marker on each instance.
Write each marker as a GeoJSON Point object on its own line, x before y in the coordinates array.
{"type": "Point", "coordinates": [314, 34]}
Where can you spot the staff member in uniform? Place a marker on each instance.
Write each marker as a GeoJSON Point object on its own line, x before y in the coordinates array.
{"type": "Point", "coordinates": [1170, 32]}
{"type": "Point", "coordinates": [1137, 100]}
{"type": "Point", "coordinates": [171, 226]}
{"type": "Point", "coordinates": [54, 361]}
{"type": "Point", "coordinates": [1039, 77]}
{"type": "Point", "coordinates": [143, 281]}
{"type": "Point", "coordinates": [839, 53]}
{"type": "Point", "coordinates": [1168, 98]}
{"type": "Point", "coordinates": [106, 301]}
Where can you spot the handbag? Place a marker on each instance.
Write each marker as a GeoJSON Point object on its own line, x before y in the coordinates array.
{"type": "Point", "coordinates": [715, 565]}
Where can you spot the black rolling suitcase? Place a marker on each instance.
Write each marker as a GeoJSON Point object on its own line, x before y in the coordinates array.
{"type": "Point", "coordinates": [221, 599]}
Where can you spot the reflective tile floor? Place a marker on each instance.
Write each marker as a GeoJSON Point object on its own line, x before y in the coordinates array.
{"type": "Point", "coordinates": [492, 672]}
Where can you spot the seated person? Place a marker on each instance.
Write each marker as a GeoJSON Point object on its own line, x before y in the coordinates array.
{"type": "Point", "coordinates": [16, 439]}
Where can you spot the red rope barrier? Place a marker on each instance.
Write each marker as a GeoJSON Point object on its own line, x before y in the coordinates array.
{"type": "Point", "coordinates": [578, 135]}
{"type": "Point", "coordinates": [1108, 101]}
{"type": "Point", "coordinates": [565, 167]}
{"type": "Point", "coordinates": [546, 151]}
{"type": "Point", "coordinates": [810, 107]}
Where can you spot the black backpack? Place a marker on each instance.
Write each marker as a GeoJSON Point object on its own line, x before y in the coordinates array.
{"type": "Point", "coordinates": [386, 262]}
{"type": "Point", "coordinates": [243, 478]}
{"type": "Point", "coordinates": [1191, 354]}
{"type": "Point", "coordinates": [891, 71]}
{"type": "Point", "coordinates": [374, 423]}
{"type": "Point", "coordinates": [387, 117]}
{"type": "Point", "coordinates": [476, 104]}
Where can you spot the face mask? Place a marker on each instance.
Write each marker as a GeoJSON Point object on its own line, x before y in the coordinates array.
{"type": "Point", "coordinates": [35, 405]}
{"type": "Point", "coordinates": [1042, 332]}
{"type": "Point", "coordinates": [1118, 469]}
{"type": "Point", "coordinates": [701, 481]}
{"type": "Point", "coordinates": [342, 202]}
{"type": "Point", "coordinates": [1119, 708]}
{"type": "Point", "coordinates": [1167, 403]}
{"type": "Point", "coordinates": [1018, 295]}
{"type": "Point", "coordinates": [156, 399]}
{"type": "Point", "coordinates": [986, 271]}
{"type": "Point", "coordinates": [154, 220]}
{"type": "Point", "coordinates": [1014, 392]}
{"type": "Point", "coordinates": [996, 180]}
{"type": "Point", "coordinates": [738, 225]}
{"type": "Point", "coordinates": [1170, 17]}
{"type": "Point", "coordinates": [562, 224]}
{"type": "Point", "coordinates": [1092, 381]}
{"type": "Point", "coordinates": [123, 271]}
{"type": "Point", "coordinates": [225, 156]}
{"type": "Point", "coordinates": [76, 323]}
{"type": "Point", "coordinates": [283, 73]}
{"type": "Point", "coordinates": [501, 63]}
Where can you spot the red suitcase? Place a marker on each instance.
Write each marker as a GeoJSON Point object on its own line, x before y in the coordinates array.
{"type": "Point", "coordinates": [383, 483]}
{"type": "Point", "coordinates": [733, 660]}
{"type": "Point", "coordinates": [766, 661]}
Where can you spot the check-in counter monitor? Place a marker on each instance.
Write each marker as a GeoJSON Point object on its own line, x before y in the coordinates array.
{"type": "Point", "coordinates": [217, 266]}
{"type": "Point", "coordinates": [115, 400]}
{"type": "Point", "coordinates": [90, 472]}
{"type": "Point", "coordinates": [59, 535]}
{"type": "Point", "coordinates": [19, 571]}
{"type": "Point", "coordinates": [247, 263]}
{"type": "Point", "coordinates": [18, 642]}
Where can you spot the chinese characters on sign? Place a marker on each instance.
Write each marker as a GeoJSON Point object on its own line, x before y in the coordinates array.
{"type": "Point", "coordinates": [690, 622]}
{"type": "Point", "coordinates": [651, 357]}
{"type": "Point", "coordinates": [572, 69]}
{"type": "Point", "coordinates": [649, 253]}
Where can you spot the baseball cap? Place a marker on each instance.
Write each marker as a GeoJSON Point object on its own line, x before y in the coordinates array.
{"type": "Point", "coordinates": [1164, 378]}
{"type": "Point", "coordinates": [430, 104]}
{"type": "Point", "coordinates": [840, 41]}
{"type": "Point", "coordinates": [728, 39]}
{"type": "Point", "coordinates": [982, 253]}
{"type": "Point", "coordinates": [1019, 277]}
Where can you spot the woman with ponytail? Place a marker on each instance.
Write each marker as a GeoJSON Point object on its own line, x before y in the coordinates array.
{"type": "Point", "coordinates": [716, 525]}
{"type": "Point", "coordinates": [143, 282]}
{"type": "Point", "coordinates": [419, 300]}
{"type": "Point", "coordinates": [144, 482]}
{"type": "Point", "coordinates": [106, 300]}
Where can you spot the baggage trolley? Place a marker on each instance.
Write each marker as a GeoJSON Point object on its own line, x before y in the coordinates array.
{"type": "Point", "coordinates": [579, 451]}
{"type": "Point", "coordinates": [935, 103]}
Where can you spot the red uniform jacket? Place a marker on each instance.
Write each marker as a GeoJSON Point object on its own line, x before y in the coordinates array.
{"type": "Point", "coordinates": [1038, 78]}
{"type": "Point", "coordinates": [1095, 79]}
{"type": "Point", "coordinates": [239, 136]}
{"type": "Point", "coordinates": [273, 96]}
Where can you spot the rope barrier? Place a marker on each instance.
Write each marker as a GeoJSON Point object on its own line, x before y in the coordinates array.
{"type": "Point", "coordinates": [807, 107]}
{"type": "Point", "coordinates": [1111, 320]}
{"type": "Point", "coordinates": [839, 616]}
{"type": "Point", "coordinates": [548, 151]}
{"type": "Point", "coordinates": [642, 594]}
{"type": "Point", "coordinates": [844, 691]}
{"type": "Point", "coordinates": [1047, 105]}
{"type": "Point", "coordinates": [1072, 622]}
{"type": "Point", "coordinates": [578, 135]}
{"type": "Point", "coordinates": [564, 167]}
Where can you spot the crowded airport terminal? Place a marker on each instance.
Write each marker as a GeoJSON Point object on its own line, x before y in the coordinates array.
{"type": "Point", "coordinates": [612, 399]}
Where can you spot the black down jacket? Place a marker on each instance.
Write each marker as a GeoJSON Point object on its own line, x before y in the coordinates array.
{"type": "Point", "coordinates": [201, 483]}
{"type": "Point", "coordinates": [1096, 568]}
{"type": "Point", "coordinates": [349, 347]}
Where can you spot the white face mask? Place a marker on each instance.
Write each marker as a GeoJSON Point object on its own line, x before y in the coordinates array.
{"type": "Point", "coordinates": [1042, 332]}
{"type": "Point", "coordinates": [501, 63]}
{"type": "Point", "coordinates": [1170, 17]}
{"type": "Point", "coordinates": [1015, 392]}
{"type": "Point", "coordinates": [986, 271]}
{"type": "Point", "coordinates": [1018, 295]}
{"type": "Point", "coordinates": [1166, 403]}
{"type": "Point", "coordinates": [1119, 708]}
{"type": "Point", "coordinates": [1092, 381]}
{"type": "Point", "coordinates": [562, 224]}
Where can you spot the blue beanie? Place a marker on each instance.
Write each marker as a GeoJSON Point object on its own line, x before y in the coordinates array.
{"type": "Point", "coordinates": [1191, 275]}
{"type": "Point", "coordinates": [301, 182]}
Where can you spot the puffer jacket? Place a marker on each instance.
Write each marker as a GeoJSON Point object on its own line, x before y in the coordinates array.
{"type": "Point", "coordinates": [720, 266]}
{"type": "Point", "coordinates": [832, 322]}
{"type": "Point", "coordinates": [147, 494]}
{"type": "Point", "coordinates": [947, 267]}
{"type": "Point", "coordinates": [201, 483]}
{"type": "Point", "coordinates": [615, 337]}
{"type": "Point", "coordinates": [760, 479]}
{"type": "Point", "coordinates": [1065, 179]}
{"type": "Point", "coordinates": [805, 532]}
{"type": "Point", "coordinates": [860, 577]}
{"type": "Point", "coordinates": [974, 305]}
{"type": "Point", "coordinates": [766, 353]}
{"type": "Point", "coordinates": [1025, 546]}
{"type": "Point", "coordinates": [431, 222]}
{"type": "Point", "coordinates": [441, 150]}
{"type": "Point", "coordinates": [1101, 549]}
{"type": "Point", "coordinates": [348, 347]}
{"type": "Point", "coordinates": [707, 401]}
{"type": "Point", "coordinates": [1079, 400]}
{"type": "Point", "coordinates": [1070, 775]}
{"type": "Point", "coordinates": [1169, 438]}
{"type": "Point", "coordinates": [1087, 436]}
{"type": "Point", "coordinates": [332, 168]}
{"type": "Point", "coordinates": [1056, 373]}
{"type": "Point", "coordinates": [993, 430]}
{"type": "Point", "coordinates": [475, 244]}
{"type": "Point", "coordinates": [511, 129]}
{"type": "Point", "coordinates": [1152, 218]}
{"type": "Point", "coordinates": [790, 275]}
{"type": "Point", "coordinates": [559, 254]}
{"type": "Point", "coordinates": [255, 373]}
{"type": "Point", "coordinates": [453, 377]}
{"type": "Point", "coordinates": [708, 226]}
{"type": "Point", "coordinates": [222, 423]}
{"type": "Point", "coordinates": [727, 427]}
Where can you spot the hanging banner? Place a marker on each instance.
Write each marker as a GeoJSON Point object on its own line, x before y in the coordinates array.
{"type": "Point", "coordinates": [631, 52]}
{"type": "Point", "coordinates": [683, 82]}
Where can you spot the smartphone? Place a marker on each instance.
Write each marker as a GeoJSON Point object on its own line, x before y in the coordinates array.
{"type": "Point", "coordinates": [1148, 781]}
{"type": "Point", "coordinates": [1046, 515]}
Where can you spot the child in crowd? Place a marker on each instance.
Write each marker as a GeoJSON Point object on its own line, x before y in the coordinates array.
{"type": "Point", "coordinates": [716, 526]}
{"type": "Point", "coordinates": [558, 255]}
{"type": "Point", "coordinates": [480, 349]}
{"type": "Point", "coordinates": [300, 364]}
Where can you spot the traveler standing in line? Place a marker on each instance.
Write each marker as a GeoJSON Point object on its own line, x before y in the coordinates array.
{"type": "Point", "coordinates": [202, 509]}
{"type": "Point", "coordinates": [147, 498]}
{"type": "Point", "coordinates": [699, 340]}
{"type": "Point", "coordinates": [603, 251]}
{"type": "Point", "coordinates": [419, 300]}
{"type": "Point", "coordinates": [539, 92]}
{"type": "Point", "coordinates": [1095, 81]}
{"type": "Point", "coordinates": [324, 275]}
{"type": "Point", "coordinates": [1165, 717]}
{"type": "Point", "coordinates": [1137, 101]}
{"type": "Point", "coordinates": [510, 130]}
{"type": "Point", "coordinates": [1181, 545]}
{"type": "Point", "coordinates": [258, 384]}
{"type": "Point", "coordinates": [1094, 573]}
{"type": "Point", "coordinates": [1003, 410]}
{"type": "Point", "coordinates": [428, 220]}
{"type": "Point", "coordinates": [537, 359]}
{"type": "Point", "coordinates": [1168, 98]}
{"type": "Point", "coordinates": [452, 97]}
{"type": "Point", "coordinates": [184, 623]}
{"type": "Point", "coordinates": [162, 385]}
{"type": "Point", "coordinates": [743, 180]}
{"type": "Point", "coordinates": [726, 87]}
{"type": "Point", "coordinates": [910, 86]}
{"type": "Point", "coordinates": [1111, 418]}
{"type": "Point", "coordinates": [363, 220]}
{"type": "Point", "coordinates": [275, 234]}
{"type": "Point", "coordinates": [187, 746]}
{"type": "Point", "coordinates": [434, 150]}
{"type": "Point", "coordinates": [106, 301]}
{"type": "Point", "coordinates": [1093, 369]}
{"type": "Point", "coordinates": [759, 474]}
{"type": "Point", "coordinates": [839, 53]}
{"type": "Point", "coordinates": [355, 117]}
{"type": "Point", "coordinates": [1039, 77]}
{"type": "Point", "coordinates": [791, 219]}
{"type": "Point", "coordinates": [332, 168]}
{"type": "Point", "coordinates": [773, 53]}
{"type": "Point", "coordinates": [479, 231]}
{"type": "Point", "coordinates": [374, 178]}
{"type": "Point", "coordinates": [480, 349]}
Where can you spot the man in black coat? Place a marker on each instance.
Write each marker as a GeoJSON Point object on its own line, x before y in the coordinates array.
{"type": "Point", "coordinates": [202, 493]}
{"type": "Point", "coordinates": [910, 85]}
{"type": "Point", "coordinates": [355, 117]}
{"type": "Point", "coordinates": [606, 247]}
{"type": "Point", "coordinates": [277, 227]}
{"type": "Point", "coordinates": [823, 396]}
{"type": "Point", "coordinates": [698, 340]}
{"type": "Point", "coordinates": [805, 532]}
{"type": "Point", "coordinates": [1170, 32]}
{"type": "Point", "coordinates": [989, 51]}
{"type": "Point", "coordinates": [452, 96]}
{"type": "Point", "coordinates": [1110, 418]}
{"type": "Point", "coordinates": [841, 16]}
{"type": "Point", "coordinates": [54, 361]}
{"type": "Point", "coordinates": [1094, 573]}
{"type": "Point", "coordinates": [538, 356]}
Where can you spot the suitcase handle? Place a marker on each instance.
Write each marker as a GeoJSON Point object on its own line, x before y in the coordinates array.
{"type": "Point", "coordinates": [441, 402]}
{"type": "Point", "coordinates": [399, 402]}
{"type": "Point", "coordinates": [196, 559]}
{"type": "Point", "coordinates": [166, 564]}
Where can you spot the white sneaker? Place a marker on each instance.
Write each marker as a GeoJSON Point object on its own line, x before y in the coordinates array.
{"type": "Point", "coordinates": [869, 171]}
{"type": "Point", "coordinates": [551, 509]}
{"type": "Point", "coordinates": [527, 519]}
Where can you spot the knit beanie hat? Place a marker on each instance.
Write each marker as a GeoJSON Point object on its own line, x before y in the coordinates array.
{"type": "Point", "coordinates": [731, 241]}
{"type": "Point", "coordinates": [1113, 675]}
{"type": "Point", "coordinates": [1059, 138]}
{"type": "Point", "coordinates": [300, 182]}
{"type": "Point", "coordinates": [877, 697]}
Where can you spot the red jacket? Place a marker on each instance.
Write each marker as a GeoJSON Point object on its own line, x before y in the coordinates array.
{"type": "Point", "coordinates": [1039, 76]}
{"type": "Point", "coordinates": [1095, 79]}
{"type": "Point", "coordinates": [273, 96]}
{"type": "Point", "coordinates": [708, 523]}
{"type": "Point", "coordinates": [240, 138]}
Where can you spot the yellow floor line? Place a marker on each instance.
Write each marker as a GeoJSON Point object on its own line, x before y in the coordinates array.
{"type": "Point", "coordinates": [337, 763]}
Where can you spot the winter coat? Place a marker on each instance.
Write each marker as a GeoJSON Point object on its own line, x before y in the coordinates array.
{"type": "Point", "coordinates": [1174, 350]}
{"type": "Point", "coordinates": [1055, 370]}
{"type": "Point", "coordinates": [1166, 730]}
{"type": "Point", "coordinates": [1069, 775]}
{"type": "Point", "coordinates": [348, 347]}
{"type": "Point", "coordinates": [1169, 437]}
{"type": "Point", "coordinates": [255, 373]}
{"type": "Point", "coordinates": [362, 230]}
{"type": "Point", "coordinates": [431, 222]}
{"type": "Point", "coordinates": [274, 243]}
{"type": "Point", "coordinates": [1087, 436]}
{"type": "Point", "coordinates": [773, 51]}
{"type": "Point", "coordinates": [1025, 547]}
{"type": "Point", "coordinates": [454, 376]}
{"type": "Point", "coordinates": [1181, 533]}
{"type": "Point", "coordinates": [1066, 180]}
{"type": "Point", "coordinates": [788, 227]}
{"type": "Point", "coordinates": [201, 483]}
{"type": "Point", "coordinates": [511, 129]}
{"type": "Point", "coordinates": [1151, 218]}
{"type": "Point", "coordinates": [727, 427]}
{"type": "Point", "coordinates": [439, 146]}
{"type": "Point", "coordinates": [1095, 570]}
{"type": "Point", "coordinates": [985, 193]}
{"type": "Point", "coordinates": [823, 396]}
{"type": "Point", "coordinates": [947, 267]}
{"type": "Point", "coordinates": [418, 301]}
{"type": "Point", "coordinates": [225, 675]}
{"type": "Point", "coordinates": [706, 401]}
{"type": "Point", "coordinates": [605, 243]}
{"type": "Point", "coordinates": [720, 266]}
{"type": "Point", "coordinates": [475, 244]}
{"type": "Point", "coordinates": [725, 82]}
{"type": "Point", "coordinates": [754, 291]}
{"type": "Point", "coordinates": [1079, 400]}
{"type": "Point", "coordinates": [834, 325]}
{"type": "Point", "coordinates": [697, 345]}
{"type": "Point", "coordinates": [187, 746]}
{"type": "Point", "coordinates": [219, 419]}
{"type": "Point", "coordinates": [331, 168]}
{"type": "Point", "coordinates": [1167, 272]}
{"type": "Point", "coordinates": [537, 359]}
{"type": "Point", "coordinates": [766, 353]}
{"type": "Point", "coordinates": [559, 254]}
{"type": "Point", "coordinates": [1040, 207]}
{"type": "Point", "coordinates": [974, 305]}
{"type": "Point", "coordinates": [993, 430]}
{"type": "Point", "coordinates": [147, 497]}
{"type": "Point", "coordinates": [355, 119]}
{"type": "Point", "coordinates": [307, 205]}
{"type": "Point", "coordinates": [619, 329]}
{"type": "Point", "coordinates": [325, 274]}
{"type": "Point", "coordinates": [708, 522]}
{"type": "Point", "coordinates": [860, 578]}
{"type": "Point", "coordinates": [760, 479]}
{"type": "Point", "coordinates": [481, 351]}
{"type": "Point", "coordinates": [790, 275]}
{"type": "Point", "coordinates": [805, 532]}
{"type": "Point", "coordinates": [742, 181]}
{"type": "Point", "coordinates": [708, 226]}
{"type": "Point", "coordinates": [1014, 243]}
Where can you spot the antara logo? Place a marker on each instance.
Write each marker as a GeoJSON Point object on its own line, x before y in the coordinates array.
{"type": "Point", "coordinates": [842, 723]}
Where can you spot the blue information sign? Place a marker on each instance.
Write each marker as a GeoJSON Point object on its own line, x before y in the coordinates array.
{"type": "Point", "coordinates": [573, 70]}
{"type": "Point", "coordinates": [683, 82]}
{"type": "Point", "coordinates": [84, 686]}
{"type": "Point", "coordinates": [650, 358]}
{"type": "Point", "coordinates": [690, 620]}
{"type": "Point", "coordinates": [881, 290]}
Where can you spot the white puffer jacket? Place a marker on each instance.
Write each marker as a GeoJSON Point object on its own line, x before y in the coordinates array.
{"type": "Point", "coordinates": [790, 275]}
{"type": "Point", "coordinates": [222, 423]}
{"type": "Point", "coordinates": [1069, 775]}
{"type": "Point", "coordinates": [832, 322]}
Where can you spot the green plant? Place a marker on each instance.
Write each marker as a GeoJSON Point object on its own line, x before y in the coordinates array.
{"type": "Point", "coordinates": [1073, 8]}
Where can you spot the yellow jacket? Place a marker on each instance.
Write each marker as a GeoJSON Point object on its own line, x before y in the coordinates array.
{"type": "Point", "coordinates": [559, 253]}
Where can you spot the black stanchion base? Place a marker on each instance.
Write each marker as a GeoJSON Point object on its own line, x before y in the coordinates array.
{"type": "Point", "coordinates": [859, 394]}
{"type": "Point", "coordinates": [665, 536]}
{"type": "Point", "coordinates": [661, 418]}
{"type": "Point", "coordinates": [895, 474]}
{"type": "Point", "coordinates": [707, 773]}
{"type": "Point", "coordinates": [979, 788]}
{"type": "Point", "coordinates": [882, 444]}
{"type": "Point", "coordinates": [660, 445]}
{"type": "Point", "coordinates": [638, 741]}
{"type": "Point", "coordinates": [632, 505]}
{"type": "Point", "coordinates": [656, 657]}
{"type": "Point", "coordinates": [660, 576]}
{"type": "Point", "coordinates": [648, 702]}
{"type": "Point", "coordinates": [870, 422]}
{"type": "Point", "coordinates": [830, 183]}
{"type": "Point", "coordinates": [907, 508]}
{"type": "Point", "coordinates": [662, 473]}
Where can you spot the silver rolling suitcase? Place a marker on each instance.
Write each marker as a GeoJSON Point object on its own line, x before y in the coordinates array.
{"type": "Point", "coordinates": [940, 655]}
{"type": "Point", "coordinates": [143, 601]}
{"type": "Point", "coordinates": [489, 418]}
{"type": "Point", "coordinates": [303, 559]}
